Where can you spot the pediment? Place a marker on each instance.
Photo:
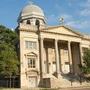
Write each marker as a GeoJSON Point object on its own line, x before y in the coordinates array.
{"type": "Point", "coordinates": [31, 54]}
{"type": "Point", "coordinates": [63, 30]}
{"type": "Point", "coordinates": [32, 72]}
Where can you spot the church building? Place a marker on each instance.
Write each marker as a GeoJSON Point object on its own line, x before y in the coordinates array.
{"type": "Point", "coordinates": [49, 55]}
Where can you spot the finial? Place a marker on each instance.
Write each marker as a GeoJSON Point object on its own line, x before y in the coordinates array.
{"type": "Point", "coordinates": [61, 20]}
{"type": "Point", "coordinates": [30, 2]}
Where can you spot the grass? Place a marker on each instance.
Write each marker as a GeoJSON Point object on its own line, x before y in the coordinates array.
{"type": "Point", "coordinates": [1, 88]}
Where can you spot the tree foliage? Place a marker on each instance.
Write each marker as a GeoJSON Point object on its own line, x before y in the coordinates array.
{"type": "Point", "coordinates": [85, 68]}
{"type": "Point", "coordinates": [8, 36]}
{"type": "Point", "coordinates": [9, 63]}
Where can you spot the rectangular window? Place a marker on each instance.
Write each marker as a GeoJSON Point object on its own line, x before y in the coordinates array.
{"type": "Point", "coordinates": [31, 63]}
{"type": "Point", "coordinates": [30, 45]}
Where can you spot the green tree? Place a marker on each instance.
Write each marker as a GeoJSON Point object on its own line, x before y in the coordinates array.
{"type": "Point", "coordinates": [9, 63]}
{"type": "Point", "coordinates": [85, 68]}
{"type": "Point", "coordinates": [8, 36]}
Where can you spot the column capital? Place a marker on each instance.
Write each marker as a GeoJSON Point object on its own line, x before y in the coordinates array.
{"type": "Point", "coordinates": [80, 43]}
{"type": "Point", "coordinates": [69, 41]}
{"type": "Point", "coordinates": [56, 40]}
{"type": "Point", "coordinates": [42, 38]}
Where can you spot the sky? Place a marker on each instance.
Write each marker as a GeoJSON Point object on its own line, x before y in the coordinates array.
{"type": "Point", "coordinates": [76, 13]}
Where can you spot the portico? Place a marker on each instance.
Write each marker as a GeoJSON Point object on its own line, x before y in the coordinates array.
{"type": "Point", "coordinates": [58, 56]}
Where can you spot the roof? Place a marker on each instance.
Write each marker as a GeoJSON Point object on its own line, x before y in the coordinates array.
{"type": "Point", "coordinates": [32, 10]}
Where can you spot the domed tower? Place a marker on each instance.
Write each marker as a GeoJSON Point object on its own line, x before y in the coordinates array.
{"type": "Point", "coordinates": [29, 19]}
{"type": "Point", "coordinates": [31, 15]}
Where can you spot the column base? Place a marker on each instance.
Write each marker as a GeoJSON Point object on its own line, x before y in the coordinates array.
{"type": "Point", "coordinates": [59, 75]}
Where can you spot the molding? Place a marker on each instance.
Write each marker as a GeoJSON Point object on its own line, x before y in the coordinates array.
{"type": "Point", "coordinates": [31, 54]}
{"type": "Point", "coordinates": [46, 30]}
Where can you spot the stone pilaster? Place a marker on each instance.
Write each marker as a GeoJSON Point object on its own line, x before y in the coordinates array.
{"type": "Point", "coordinates": [42, 56]}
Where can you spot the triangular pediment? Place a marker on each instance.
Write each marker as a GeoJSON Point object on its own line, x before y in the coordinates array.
{"type": "Point", "coordinates": [63, 30]}
{"type": "Point", "coordinates": [32, 72]}
{"type": "Point", "coordinates": [31, 54]}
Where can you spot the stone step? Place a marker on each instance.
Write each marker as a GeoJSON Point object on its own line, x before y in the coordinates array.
{"type": "Point", "coordinates": [64, 82]}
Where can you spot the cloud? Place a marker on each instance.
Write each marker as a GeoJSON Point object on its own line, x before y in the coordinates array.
{"type": "Point", "coordinates": [55, 19]}
{"type": "Point", "coordinates": [69, 20]}
{"type": "Point", "coordinates": [51, 19]}
{"type": "Point", "coordinates": [82, 25]}
{"type": "Point", "coordinates": [71, 2]}
{"type": "Point", "coordinates": [57, 6]}
{"type": "Point", "coordinates": [85, 4]}
{"type": "Point", "coordinates": [74, 24]}
{"type": "Point", "coordinates": [67, 17]}
{"type": "Point", "coordinates": [79, 24]}
{"type": "Point", "coordinates": [85, 24]}
{"type": "Point", "coordinates": [85, 12]}
{"type": "Point", "coordinates": [86, 8]}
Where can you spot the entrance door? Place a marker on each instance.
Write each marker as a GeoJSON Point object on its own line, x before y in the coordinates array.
{"type": "Point", "coordinates": [32, 82]}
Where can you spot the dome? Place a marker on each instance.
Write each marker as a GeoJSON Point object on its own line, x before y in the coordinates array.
{"type": "Point", "coordinates": [32, 10]}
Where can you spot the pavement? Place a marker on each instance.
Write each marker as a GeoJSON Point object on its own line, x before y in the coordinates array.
{"type": "Point", "coordinates": [76, 88]}
{"type": "Point", "coordinates": [72, 88]}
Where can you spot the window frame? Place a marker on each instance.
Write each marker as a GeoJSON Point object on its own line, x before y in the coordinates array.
{"type": "Point", "coordinates": [28, 22]}
{"type": "Point", "coordinates": [30, 44]}
{"type": "Point", "coordinates": [31, 62]}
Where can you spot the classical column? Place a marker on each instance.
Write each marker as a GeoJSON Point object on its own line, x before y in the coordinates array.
{"type": "Point", "coordinates": [81, 53]}
{"type": "Point", "coordinates": [57, 58]}
{"type": "Point", "coordinates": [42, 56]}
{"type": "Point", "coordinates": [70, 56]}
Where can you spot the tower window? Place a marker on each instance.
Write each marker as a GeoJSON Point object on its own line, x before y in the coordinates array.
{"type": "Point", "coordinates": [28, 22]}
{"type": "Point", "coordinates": [37, 23]}
{"type": "Point", "coordinates": [21, 21]}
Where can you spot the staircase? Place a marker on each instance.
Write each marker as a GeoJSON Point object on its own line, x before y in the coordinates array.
{"type": "Point", "coordinates": [50, 81]}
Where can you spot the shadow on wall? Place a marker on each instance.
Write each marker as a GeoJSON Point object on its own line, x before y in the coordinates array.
{"type": "Point", "coordinates": [76, 78]}
{"type": "Point", "coordinates": [45, 83]}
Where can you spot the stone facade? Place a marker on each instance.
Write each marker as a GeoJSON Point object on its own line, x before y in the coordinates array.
{"type": "Point", "coordinates": [47, 54]}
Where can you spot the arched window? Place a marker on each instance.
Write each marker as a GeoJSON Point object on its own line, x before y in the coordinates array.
{"type": "Point", "coordinates": [28, 22]}
{"type": "Point", "coordinates": [21, 21]}
{"type": "Point", "coordinates": [37, 23]}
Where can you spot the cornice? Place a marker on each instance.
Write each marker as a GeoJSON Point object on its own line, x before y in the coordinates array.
{"type": "Point", "coordinates": [60, 33]}
{"type": "Point", "coordinates": [47, 31]}
{"type": "Point", "coordinates": [65, 26]}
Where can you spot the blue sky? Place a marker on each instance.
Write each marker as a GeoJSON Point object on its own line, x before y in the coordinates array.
{"type": "Point", "coordinates": [76, 13]}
